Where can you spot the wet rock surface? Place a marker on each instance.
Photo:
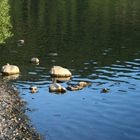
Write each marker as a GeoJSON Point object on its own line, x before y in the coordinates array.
{"type": "Point", "coordinates": [14, 124]}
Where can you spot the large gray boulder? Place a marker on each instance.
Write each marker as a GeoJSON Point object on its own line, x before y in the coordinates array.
{"type": "Point", "coordinates": [58, 71]}
{"type": "Point", "coordinates": [10, 69]}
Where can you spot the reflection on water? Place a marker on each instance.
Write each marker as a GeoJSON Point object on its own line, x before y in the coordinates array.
{"type": "Point", "coordinates": [98, 41]}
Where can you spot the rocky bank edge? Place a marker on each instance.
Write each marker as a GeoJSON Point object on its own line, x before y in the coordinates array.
{"type": "Point", "coordinates": [14, 124]}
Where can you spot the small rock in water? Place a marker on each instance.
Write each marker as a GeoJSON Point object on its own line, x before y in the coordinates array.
{"type": "Point", "coordinates": [33, 89]}
{"type": "Point", "coordinates": [57, 88]}
{"type": "Point", "coordinates": [34, 60]}
{"type": "Point", "coordinates": [105, 90]}
{"type": "Point", "coordinates": [73, 88]}
{"type": "Point", "coordinates": [78, 86]}
{"type": "Point", "coordinates": [83, 84]}
{"type": "Point", "coordinates": [20, 42]}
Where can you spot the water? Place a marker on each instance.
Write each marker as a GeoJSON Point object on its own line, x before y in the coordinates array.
{"type": "Point", "coordinates": [98, 41]}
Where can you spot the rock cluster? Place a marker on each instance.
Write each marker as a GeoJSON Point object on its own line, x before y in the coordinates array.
{"type": "Point", "coordinates": [62, 74]}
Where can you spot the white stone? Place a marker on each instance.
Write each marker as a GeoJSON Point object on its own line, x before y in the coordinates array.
{"type": "Point", "coordinates": [58, 71]}
{"type": "Point", "coordinates": [20, 42]}
{"type": "Point", "coordinates": [34, 60]}
{"type": "Point", "coordinates": [10, 69]}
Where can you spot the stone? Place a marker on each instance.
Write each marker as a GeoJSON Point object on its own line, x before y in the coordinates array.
{"type": "Point", "coordinates": [58, 71]}
{"type": "Point", "coordinates": [83, 84]}
{"type": "Point", "coordinates": [105, 90]}
{"type": "Point", "coordinates": [33, 89]}
{"type": "Point", "coordinates": [78, 86]}
{"type": "Point", "coordinates": [34, 60]}
{"type": "Point", "coordinates": [10, 69]}
{"type": "Point", "coordinates": [55, 87]}
{"type": "Point", "coordinates": [20, 42]}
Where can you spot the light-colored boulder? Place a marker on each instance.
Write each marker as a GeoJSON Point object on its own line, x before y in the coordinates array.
{"type": "Point", "coordinates": [34, 60]}
{"type": "Point", "coordinates": [10, 69]}
{"type": "Point", "coordinates": [58, 71]}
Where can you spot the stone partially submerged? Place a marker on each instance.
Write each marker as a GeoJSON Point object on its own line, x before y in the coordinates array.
{"type": "Point", "coordinates": [34, 60]}
{"type": "Point", "coordinates": [10, 69]}
{"type": "Point", "coordinates": [78, 86]}
{"type": "Point", "coordinates": [55, 87]}
{"type": "Point", "coordinates": [58, 71]}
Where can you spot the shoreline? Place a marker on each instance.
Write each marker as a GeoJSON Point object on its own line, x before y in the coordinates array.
{"type": "Point", "coordinates": [14, 123]}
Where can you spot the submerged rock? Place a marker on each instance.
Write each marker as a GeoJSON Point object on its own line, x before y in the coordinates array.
{"type": "Point", "coordinates": [73, 88]}
{"type": "Point", "coordinates": [83, 84]}
{"type": "Point", "coordinates": [57, 88]}
{"type": "Point", "coordinates": [10, 69]}
{"type": "Point", "coordinates": [105, 90]}
{"type": "Point", "coordinates": [58, 71]}
{"type": "Point", "coordinates": [33, 89]}
{"type": "Point", "coordinates": [78, 86]}
{"type": "Point", "coordinates": [34, 60]}
{"type": "Point", "coordinates": [20, 42]}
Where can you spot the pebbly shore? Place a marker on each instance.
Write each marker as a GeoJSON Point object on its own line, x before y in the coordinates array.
{"type": "Point", "coordinates": [14, 124]}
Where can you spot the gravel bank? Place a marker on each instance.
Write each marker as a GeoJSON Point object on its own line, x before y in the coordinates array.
{"type": "Point", "coordinates": [14, 124]}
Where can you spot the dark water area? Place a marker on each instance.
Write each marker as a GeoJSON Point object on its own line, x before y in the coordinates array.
{"type": "Point", "coordinates": [99, 42]}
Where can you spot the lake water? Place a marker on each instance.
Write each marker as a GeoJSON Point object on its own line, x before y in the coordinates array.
{"type": "Point", "coordinates": [99, 42]}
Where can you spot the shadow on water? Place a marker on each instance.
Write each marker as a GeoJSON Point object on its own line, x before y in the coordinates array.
{"type": "Point", "coordinates": [98, 41]}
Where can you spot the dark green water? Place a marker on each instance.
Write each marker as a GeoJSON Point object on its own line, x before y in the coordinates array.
{"type": "Point", "coordinates": [99, 42]}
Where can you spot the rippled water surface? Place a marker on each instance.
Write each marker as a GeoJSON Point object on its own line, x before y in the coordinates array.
{"type": "Point", "coordinates": [99, 42]}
